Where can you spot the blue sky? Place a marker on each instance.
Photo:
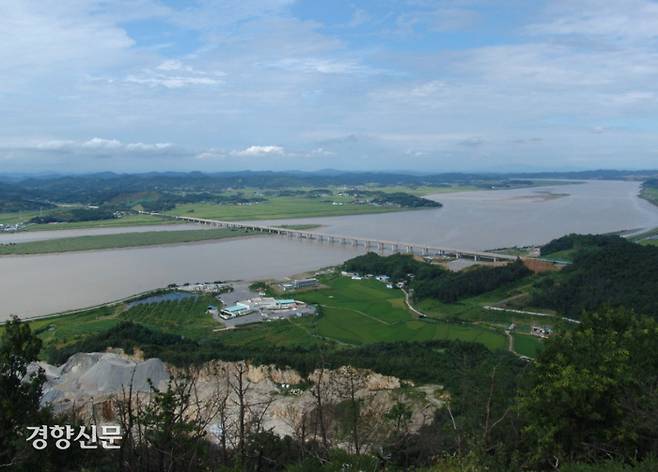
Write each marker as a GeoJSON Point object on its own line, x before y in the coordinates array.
{"type": "Point", "coordinates": [422, 85]}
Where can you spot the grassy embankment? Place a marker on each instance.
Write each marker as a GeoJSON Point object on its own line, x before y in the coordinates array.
{"type": "Point", "coordinates": [353, 313]}
{"type": "Point", "coordinates": [128, 220]}
{"type": "Point", "coordinates": [123, 240]}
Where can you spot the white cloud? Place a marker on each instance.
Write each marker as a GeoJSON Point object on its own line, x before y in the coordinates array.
{"type": "Point", "coordinates": [212, 153]}
{"type": "Point", "coordinates": [175, 74]}
{"type": "Point", "coordinates": [261, 151]}
{"type": "Point", "coordinates": [359, 17]}
{"type": "Point", "coordinates": [173, 64]}
{"type": "Point", "coordinates": [97, 144]}
{"type": "Point", "coordinates": [612, 21]}
{"type": "Point", "coordinates": [321, 66]}
{"type": "Point", "coordinates": [171, 82]}
{"type": "Point", "coordinates": [320, 151]}
{"type": "Point", "coordinates": [47, 36]}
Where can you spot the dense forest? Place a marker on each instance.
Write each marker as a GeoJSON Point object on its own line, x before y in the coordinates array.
{"type": "Point", "coordinates": [453, 286]}
{"type": "Point", "coordinates": [578, 242]}
{"type": "Point", "coordinates": [432, 281]}
{"type": "Point", "coordinates": [606, 271]}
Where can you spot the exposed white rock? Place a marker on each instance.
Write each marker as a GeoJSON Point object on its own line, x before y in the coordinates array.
{"type": "Point", "coordinates": [281, 398]}
{"type": "Point", "coordinates": [93, 375]}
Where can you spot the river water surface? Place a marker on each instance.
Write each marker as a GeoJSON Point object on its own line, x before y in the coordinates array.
{"type": "Point", "coordinates": [495, 219]}
{"type": "Point", "coordinates": [41, 284]}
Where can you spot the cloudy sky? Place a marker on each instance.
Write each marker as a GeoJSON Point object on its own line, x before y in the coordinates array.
{"type": "Point", "coordinates": [423, 85]}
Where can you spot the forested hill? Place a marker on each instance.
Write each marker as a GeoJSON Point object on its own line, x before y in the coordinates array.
{"type": "Point", "coordinates": [606, 270]}
{"type": "Point", "coordinates": [14, 198]}
{"type": "Point", "coordinates": [432, 281]}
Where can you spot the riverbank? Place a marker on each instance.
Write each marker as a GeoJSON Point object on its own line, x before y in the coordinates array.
{"type": "Point", "coordinates": [649, 193]}
{"type": "Point", "coordinates": [120, 240]}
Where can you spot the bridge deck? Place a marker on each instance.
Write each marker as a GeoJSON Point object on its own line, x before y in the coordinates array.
{"type": "Point", "coordinates": [355, 240]}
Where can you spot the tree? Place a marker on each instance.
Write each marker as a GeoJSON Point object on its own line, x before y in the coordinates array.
{"type": "Point", "coordinates": [350, 382]}
{"type": "Point", "coordinates": [593, 392]}
{"type": "Point", "coordinates": [20, 391]}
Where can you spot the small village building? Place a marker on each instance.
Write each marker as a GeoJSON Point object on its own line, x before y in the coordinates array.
{"type": "Point", "coordinates": [238, 309]}
{"type": "Point", "coordinates": [541, 332]}
{"type": "Point", "coordinates": [298, 284]}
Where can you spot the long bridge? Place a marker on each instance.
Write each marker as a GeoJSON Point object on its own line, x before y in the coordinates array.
{"type": "Point", "coordinates": [367, 243]}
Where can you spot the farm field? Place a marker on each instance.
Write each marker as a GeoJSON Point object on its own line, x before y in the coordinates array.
{"type": "Point", "coordinates": [472, 310]}
{"type": "Point", "coordinates": [279, 208]}
{"type": "Point", "coordinates": [184, 317]}
{"type": "Point", "coordinates": [11, 218]}
{"type": "Point", "coordinates": [357, 313]}
{"type": "Point", "coordinates": [526, 344]}
{"type": "Point", "coordinates": [122, 240]}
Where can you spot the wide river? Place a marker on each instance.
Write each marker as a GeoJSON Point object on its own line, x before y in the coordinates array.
{"type": "Point", "coordinates": [504, 218]}
{"type": "Point", "coordinates": [41, 284]}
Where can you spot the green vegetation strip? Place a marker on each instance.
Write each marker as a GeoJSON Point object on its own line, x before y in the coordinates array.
{"type": "Point", "coordinates": [110, 241]}
{"type": "Point", "coordinates": [128, 220]}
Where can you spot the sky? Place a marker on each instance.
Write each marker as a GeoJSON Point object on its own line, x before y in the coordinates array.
{"type": "Point", "coordinates": [378, 85]}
